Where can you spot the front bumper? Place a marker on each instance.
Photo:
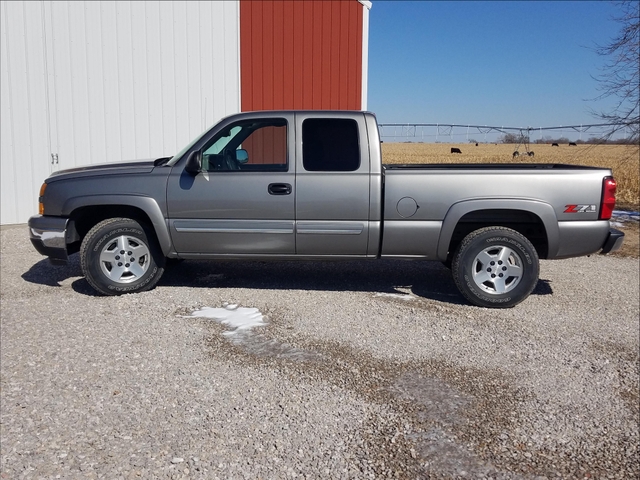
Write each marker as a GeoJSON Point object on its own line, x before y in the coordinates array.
{"type": "Point", "coordinates": [613, 242]}
{"type": "Point", "coordinates": [49, 237]}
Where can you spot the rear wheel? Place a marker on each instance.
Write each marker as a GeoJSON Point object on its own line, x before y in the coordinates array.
{"type": "Point", "coordinates": [495, 267]}
{"type": "Point", "coordinates": [118, 256]}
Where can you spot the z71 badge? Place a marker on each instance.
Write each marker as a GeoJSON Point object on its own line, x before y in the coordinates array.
{"type": "Point", "coordinates": [580, 209]}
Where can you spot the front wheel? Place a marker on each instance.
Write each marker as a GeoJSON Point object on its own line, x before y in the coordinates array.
{"type": "Point", "coordinates": [495, 267]}
{"type": "Point", "coordinates": [118, 256]}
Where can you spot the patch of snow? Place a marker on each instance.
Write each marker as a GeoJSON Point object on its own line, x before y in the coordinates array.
{"type": "Point", "coordinates": [241, 321]}
{"type": "Point", "coordinates": [399, 296]}
{"type": "Point", "coordinates": [619, 216]}
{"type": "Point", "coordinates": [238, 319]}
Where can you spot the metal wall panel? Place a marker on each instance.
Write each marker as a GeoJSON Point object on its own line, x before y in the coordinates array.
{"type": "Point", "coordinates": [301, 54]}
{"type": "Point", "coordinates": [24, 151]}
{"type": "Point", "coordinates": [98, 81]}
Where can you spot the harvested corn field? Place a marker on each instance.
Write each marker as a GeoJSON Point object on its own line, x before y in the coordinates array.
{"type": "Point", "coordinates": [622, 159]}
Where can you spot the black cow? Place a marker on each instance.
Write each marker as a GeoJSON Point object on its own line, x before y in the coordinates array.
{"type": "Point", "coordinates": [516, 154]}
{"type": "Point", "coordinates": [555, 145]}
{"type": "Point", "coordinates": [455, 150]}
{"type": "Point", "coordinates": [573, 144]}
{"type": "Point", "coordinates": [476, 144]}
{"type": "Point", "coordinates": [531, 154]}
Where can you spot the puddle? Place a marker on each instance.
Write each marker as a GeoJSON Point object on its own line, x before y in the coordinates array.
{"type": "Point", "coordinates": [438, 401]}
{"type": "Point", "coordinates": [440, 407]}
{"type": "Point", "coordinates": [262, 346]}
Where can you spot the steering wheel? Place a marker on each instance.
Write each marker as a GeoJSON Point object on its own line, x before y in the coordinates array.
{"type": "Point", "coordinates": [230, 162]}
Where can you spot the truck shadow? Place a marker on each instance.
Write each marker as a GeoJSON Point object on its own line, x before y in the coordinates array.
{"type": "Point", "coordinates": [422, 279]}
{"type": "Point", "coordinates": [429, 280]}
{"type": "Point", "coordinates": [44, 273]}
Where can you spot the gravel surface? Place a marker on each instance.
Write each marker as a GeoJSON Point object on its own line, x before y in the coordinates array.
{"type": "Point", "coordinates": [364, 370]}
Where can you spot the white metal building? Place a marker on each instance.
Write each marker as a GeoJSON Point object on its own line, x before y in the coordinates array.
{"type": "Point", "coordinates": [90, 82]}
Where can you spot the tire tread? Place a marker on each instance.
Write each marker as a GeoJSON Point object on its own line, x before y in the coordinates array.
{"type": "Point", "coordinates": [464, 245]}
{"type": "Point", "coordinates": [98, 230]}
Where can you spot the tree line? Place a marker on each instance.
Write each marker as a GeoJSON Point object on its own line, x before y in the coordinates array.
{"type": "Point", "coordinates": [605, 140]}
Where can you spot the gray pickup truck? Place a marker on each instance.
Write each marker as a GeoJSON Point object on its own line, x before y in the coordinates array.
{"type": "Point", "coordinates": [311, 185]}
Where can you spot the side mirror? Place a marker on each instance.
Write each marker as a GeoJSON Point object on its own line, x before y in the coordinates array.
{"type": "Point", "coordinates": [242, 156]}
{"type": "Point", "coordinates": [194, 163]}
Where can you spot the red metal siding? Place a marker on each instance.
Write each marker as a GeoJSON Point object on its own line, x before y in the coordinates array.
{"type": "Point", "coordinates": [267, 145]}
{"type": "Point", "coordinates": [298, 54]}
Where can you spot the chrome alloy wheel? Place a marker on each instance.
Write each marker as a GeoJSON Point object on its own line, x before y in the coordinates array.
{"type": "Point", "coordinates": [125, 259]}
{"type": "Point", "coordinates": [497, 270]}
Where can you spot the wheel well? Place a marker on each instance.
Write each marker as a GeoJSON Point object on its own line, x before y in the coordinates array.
{"type": "Point", "coordinates": [523, 222]}
{"type": "Point", "coordinates": [85, 218]}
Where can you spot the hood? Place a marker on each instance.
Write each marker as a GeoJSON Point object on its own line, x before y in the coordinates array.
{"type": "Point", "coordinates": [119, 168]}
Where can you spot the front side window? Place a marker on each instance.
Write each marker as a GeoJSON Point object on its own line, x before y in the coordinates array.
{"type": "Point", "coordinates": [330, 145]}
{"type": "Point", "coordinates": [249, 145]}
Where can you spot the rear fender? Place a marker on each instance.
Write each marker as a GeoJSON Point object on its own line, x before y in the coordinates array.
{"type": "Point", "coordinates": [458, 210]}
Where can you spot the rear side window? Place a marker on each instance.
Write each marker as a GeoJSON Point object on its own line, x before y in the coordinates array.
{"type": "Point", "coordinates": [330, 145]}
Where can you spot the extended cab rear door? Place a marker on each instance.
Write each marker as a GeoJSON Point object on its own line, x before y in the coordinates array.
{"type": "Point", "coordinates": [332, 184]}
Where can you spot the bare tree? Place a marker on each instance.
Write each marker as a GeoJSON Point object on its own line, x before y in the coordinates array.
{"type": "Point", "coordinates": [514, 138]}
{"type": "Point", "coordinates": [620, 77]}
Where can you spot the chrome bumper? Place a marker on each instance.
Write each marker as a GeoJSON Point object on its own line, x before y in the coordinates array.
{"type": "Point", "coordinates": [48, 236]}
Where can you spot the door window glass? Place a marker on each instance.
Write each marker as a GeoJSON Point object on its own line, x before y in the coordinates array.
{"type": "Point", "coordinates": [249, 145]}
{"type": "Point", "coordinates": [330, 145]}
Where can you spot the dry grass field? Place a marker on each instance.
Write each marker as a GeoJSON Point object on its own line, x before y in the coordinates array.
{"type": "Point", "coordinates": [622, 159]}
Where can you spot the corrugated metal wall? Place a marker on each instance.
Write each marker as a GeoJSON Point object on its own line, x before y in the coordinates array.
{"type": "Point", "coordinates": [302, 54]}
{"type": "Point", "coordinates": [267, 145]}
{"type": "Point", "coordinates": [97, 81]}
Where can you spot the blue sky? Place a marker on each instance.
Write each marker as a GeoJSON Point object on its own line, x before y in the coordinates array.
{"type": "Point", "coordinates": [525, 63]}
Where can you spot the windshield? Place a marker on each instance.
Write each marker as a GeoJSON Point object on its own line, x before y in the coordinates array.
{"type": "Point", "coordinates": [179, 155]}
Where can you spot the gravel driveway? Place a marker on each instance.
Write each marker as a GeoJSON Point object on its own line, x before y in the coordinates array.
{"type": "Point", "coordinates": [364, 370]}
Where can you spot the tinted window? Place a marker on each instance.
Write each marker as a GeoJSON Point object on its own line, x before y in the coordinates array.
{"type": "Point", "coordinates": [330, 145]}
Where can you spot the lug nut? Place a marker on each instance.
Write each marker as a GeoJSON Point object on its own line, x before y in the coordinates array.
{"type": "Point", "coordinates": [122, 252]}
{"type": "Point", "coordinates": [117, 257]}
{"type": "Point", "coordinates": [119, 264]}
{"type": "Point", "coordinates": [133, 259]}
{"type": "Point", "coordinates": [504, 269]}
{"type": "Point", "coordinates": [126, 265]}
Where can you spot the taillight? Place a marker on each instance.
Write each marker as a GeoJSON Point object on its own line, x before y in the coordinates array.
{"type": "Point", "coordinates": [608, 201]}
{"type": "Point", "coordinates": [40, 199]}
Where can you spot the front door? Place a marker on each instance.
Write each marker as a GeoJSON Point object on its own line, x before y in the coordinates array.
{"type": "Point", "coordinates": [242, 203]}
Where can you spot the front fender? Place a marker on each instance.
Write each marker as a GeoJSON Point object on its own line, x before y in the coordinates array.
{"type": "Point", "coordinates": [147, 204]}
{"type": "Point", "coordinates": [544, 211]}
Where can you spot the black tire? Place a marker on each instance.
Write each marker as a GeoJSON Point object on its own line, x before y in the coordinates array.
{"type": "Point", "coordinates": [495, 267]}
{"type": "Point", "coordinates": [112, 272]}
